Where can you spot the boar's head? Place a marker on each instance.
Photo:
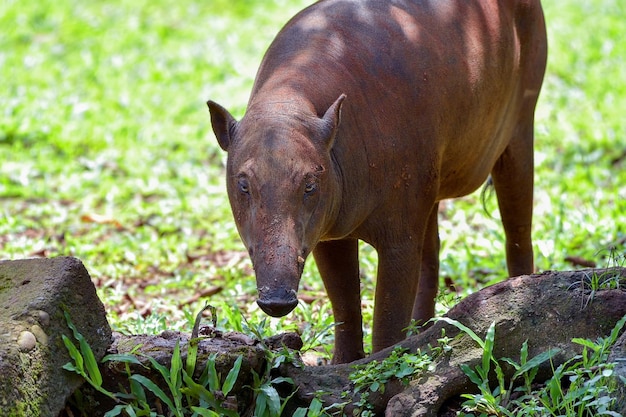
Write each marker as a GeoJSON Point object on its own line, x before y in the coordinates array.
{"type": "Point", "coordinates": [282, 189]}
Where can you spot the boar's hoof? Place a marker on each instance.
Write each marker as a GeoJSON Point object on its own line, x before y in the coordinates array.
{"type": "Point", "coordinates": [278, 306]}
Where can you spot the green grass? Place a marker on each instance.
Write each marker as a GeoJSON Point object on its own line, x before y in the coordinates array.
{"type": "Point", "coordinates": [583, 385]}
{"type": "Point", "coordinates": [107, 153]}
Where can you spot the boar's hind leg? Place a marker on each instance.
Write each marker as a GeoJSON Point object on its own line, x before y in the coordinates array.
{"type": "Point", "coordinates": [513, 182]}
{"type": "Point", "coordinates": [338, 264]}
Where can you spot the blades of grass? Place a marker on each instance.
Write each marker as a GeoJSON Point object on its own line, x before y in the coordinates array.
{"type": "Point", "coordinates": [231, 378]}
{"type": "Point", "coordinates": [192, 355]}
{"type": "Point", "coordinates": [203, 412]}
{"type": "Point", "coordinates": [586, 343]}
{"type": "Point", "coordinates": [78, 365]}
{"type": "Point", "coordinates": [617, 330]}
{"type": "Point", "coordinates": [86, 360]}
{"type": "Point", "coordinates": [176, 367]}
{"type": "Point", "coordinates": [536, 361]}
{"type": "Point", "coordinates": [175, 382]}
{"type": "Point", "coordinates": [300, 412]}
{"type": "Point", "coordinates": [136, 389]}
{"type": "Point", "coordinates": [286, 400]}
{"type": "Point", "coordinates": [316, 407]}
{"type": "Point", "coordinates": [501, 389]}
{"type": "Point", "coordinates": [273, 400]}
{"type": "Point", "coordinates": [465, 330]}
{"type": "Point", "coordinates": [130, 410]}
{"type": "Point", "coordinates": [488, 348]}
{"type": "Point", "coordinates": [192, 358]}
{"type": "Point", "coordinates": [523, 357]}
{"type": "Point", "coordinates": [90, 362]}
{"type": "Point", "coordinates": [555, 391]}
{"type": "Point", "coordinates": [260, 405]}
{"type": "Point", "coordinates": [71, 325]}
{"type": "Point", "coordinates": [165, 373]}
{"type": "Point", "coordinates": [124, 358]}
{"type": "Point", "coordinates": [234, 317]}
{"type": "Point", "coordinates": [117, 410]}
{"type": "Point", "coordinates": [154, 388]}
{"type": "Point", "coordinates": [282, 379]}
{"type": "Point", "coordinates": [213, 377]}
{"type": "Point", "coordinates": [204, 376]}
{"type": "Point", "coordinates": [309, 344]}
{"type": "Point", "coordinates": [511, 362]}
{"type": "Point", "coordinates": [79, 368]}
{"type": "Point", "coordinates": [205, 396]}
{"type": "Point", "coordinates": [198, 391]}
{"type": "Point", "coordinates": [472, 375]}
{"type": "Point", "coordinates": [72, 368]}
{"type": "Point", "coordinates": [192, 348]}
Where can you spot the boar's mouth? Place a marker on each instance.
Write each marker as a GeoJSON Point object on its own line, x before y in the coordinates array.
{"type": "Point", "coordinates": [277, 303]}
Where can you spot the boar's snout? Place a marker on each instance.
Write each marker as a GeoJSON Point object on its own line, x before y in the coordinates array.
{"type": "Point", "coordinates": [278, 303]}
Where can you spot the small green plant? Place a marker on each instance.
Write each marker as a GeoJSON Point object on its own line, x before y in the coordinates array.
{"type": "Point", "coordinates": [317, 332]}
{"type": "Point", "coordinates": [317, 409]}
{"type": "Point", "coordinates": [207, 397]}
{"type": "Point", "coordinates": [609, 278]}
{"type": "Point", "coordinates": [231, 317]}
{"type": "Point", "coordinates": [494, 402]}
{"type": "Point", "coordinates": [372, 376]}
{"type": "Point", "coordinates": [267, 400]}
{"type": "Point", "coordinates": [582, 386]}
{"type": "Point", "coordinates": [83, 361]}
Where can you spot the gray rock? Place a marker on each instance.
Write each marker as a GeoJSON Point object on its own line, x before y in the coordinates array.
{"type": "Point", "coordinates": [26, 341]}
{"type": "Point", "coordinates": [33, 294]}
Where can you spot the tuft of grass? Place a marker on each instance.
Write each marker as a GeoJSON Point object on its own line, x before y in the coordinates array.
{"type": "Point", "coordinates": [207, 396]}
{"type": "Point", "coordinates": [583, 385]}
{"type": "Point", "coordinates": [401, 365]}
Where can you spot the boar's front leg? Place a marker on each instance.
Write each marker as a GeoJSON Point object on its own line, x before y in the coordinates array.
{"type": "Point", "coordinates": [399, 269]}
{"type": "Point", "coordinates": [338, 264]}
{"type": "Point", "coordinates": [428, 285]}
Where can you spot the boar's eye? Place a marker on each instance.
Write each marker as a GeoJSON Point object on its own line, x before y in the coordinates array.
{"type": "Point", "coordinates": [243, 185]}
{"type": "Point", "coordinates": [310, 187]}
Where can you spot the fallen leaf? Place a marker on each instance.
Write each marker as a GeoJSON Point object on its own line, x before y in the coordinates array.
{"type": "Point", "coordinates": [100, 219]}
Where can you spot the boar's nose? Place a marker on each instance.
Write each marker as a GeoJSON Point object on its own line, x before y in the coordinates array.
{"type": "Point", "coordinates": [278, 303]}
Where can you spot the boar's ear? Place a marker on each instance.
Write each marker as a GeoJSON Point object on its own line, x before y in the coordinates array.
{"type": "Point", "coordinates": [223, 124]}
{"type": "Point", "coordinates": [331, 119]}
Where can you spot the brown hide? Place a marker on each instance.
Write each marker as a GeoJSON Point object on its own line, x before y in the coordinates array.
{"type": "Point", "coordinates": [439, 95]}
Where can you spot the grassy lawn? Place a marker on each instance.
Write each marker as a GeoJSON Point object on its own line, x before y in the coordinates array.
{"type": "Point", "coordinates": [107, 153]}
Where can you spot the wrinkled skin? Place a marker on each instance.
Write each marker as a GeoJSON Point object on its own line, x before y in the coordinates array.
{"type": "Point", "coordinates": [363, 116]}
